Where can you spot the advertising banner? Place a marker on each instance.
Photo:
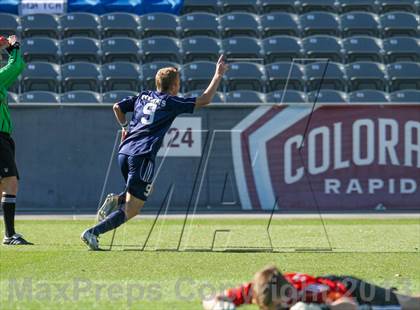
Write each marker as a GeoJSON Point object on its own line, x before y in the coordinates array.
{"type": "Point", "coordinates": [338, 158]}
{"type": "Point", "coordinates": [43, 6]}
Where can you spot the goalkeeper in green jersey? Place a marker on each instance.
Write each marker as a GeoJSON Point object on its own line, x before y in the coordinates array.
{"type": "Point", "coordinates": [8, 171]}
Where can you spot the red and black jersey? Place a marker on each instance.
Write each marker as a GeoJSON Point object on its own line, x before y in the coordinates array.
{"type": "Point", "coordinates": [310, 289]}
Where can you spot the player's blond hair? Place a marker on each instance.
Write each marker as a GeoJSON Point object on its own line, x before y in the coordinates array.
{"type": "Point", "coordinates": [268, 285]}
{"type": "Point", "coordinates": [165, 78]}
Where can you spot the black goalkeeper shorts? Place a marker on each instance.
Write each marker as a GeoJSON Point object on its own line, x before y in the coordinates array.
{"type": "Point", "coordinates": [366, 293]}
{"type": "Point", "coordinates": [8, 166]}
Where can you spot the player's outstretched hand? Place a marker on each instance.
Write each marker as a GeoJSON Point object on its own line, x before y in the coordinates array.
{"type": "Point", "coordinates": [12, 40]}
{"type": "Point", "coordinates": [221, 66]}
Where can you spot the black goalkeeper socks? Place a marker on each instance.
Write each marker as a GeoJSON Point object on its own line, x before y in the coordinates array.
{"type": "Point", "coordinates": [8, 204]}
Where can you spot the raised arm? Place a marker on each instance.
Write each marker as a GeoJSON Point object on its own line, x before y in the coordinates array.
{"type": "Point", "coordinates": [15, 64]}
{"type": "Point", "coordinates": [207, 96]}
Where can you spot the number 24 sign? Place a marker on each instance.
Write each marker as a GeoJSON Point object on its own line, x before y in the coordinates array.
{"type": "Point", "coordinates": [183, 138]}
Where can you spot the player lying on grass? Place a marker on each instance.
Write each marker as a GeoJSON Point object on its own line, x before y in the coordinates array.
{"type": "Point", "coordinates": [272, 290]}
{"type": "Point", "coordinates": [153, 114]}
{"type": "Point", "coordinates": [9, 175]}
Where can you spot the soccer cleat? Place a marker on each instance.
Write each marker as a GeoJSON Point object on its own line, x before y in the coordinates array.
{"type": "Point", "coordinates": [16, 239]}
{"type": "Point", "coordinates": [90, 239]}
{"type": "Point", "coordinates": [110, 205]}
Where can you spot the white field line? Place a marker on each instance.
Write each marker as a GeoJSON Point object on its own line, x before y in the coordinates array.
{"type": "Point", "coordinates": [232, 216]}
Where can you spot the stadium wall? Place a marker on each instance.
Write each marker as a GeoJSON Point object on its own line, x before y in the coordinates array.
{"type": "Point", "coordinates": [341, 158]}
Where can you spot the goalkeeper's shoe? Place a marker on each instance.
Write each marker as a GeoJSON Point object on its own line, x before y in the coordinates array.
{"type": "Point", "coordinates": [90, 239]}
{"type": "Point", "coordinates": [110, 205]}
{"type": "Point", "coordinates": [16, 239]}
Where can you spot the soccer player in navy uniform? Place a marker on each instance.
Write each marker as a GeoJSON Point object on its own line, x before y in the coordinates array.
{"type": "Point", "coordinates": [8, 170]}
{"type": "Point", "coordinates": [153, 114]}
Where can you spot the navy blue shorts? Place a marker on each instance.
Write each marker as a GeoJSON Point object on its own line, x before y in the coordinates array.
{"type": "Point", "coordinates": [138, 174]}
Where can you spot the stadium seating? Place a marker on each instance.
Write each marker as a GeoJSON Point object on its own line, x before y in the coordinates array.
{"type": "Point", "coordinates": [227, 6]}
{"type": "Point", "coordinates": [288, 96]}
{"type": "Point", "coordinates": [209, 6]}
{"type": "Point", "coordinates": [369, 45]}
{"type": "Point", "coordinates": [410, 95]}
{"type": "Point", "coordinates": [197, 75]}
{"type": "Point", "coordinates": [35, 97]}
{"type": "Point", "coordinates": [120, 49]}
{"type": "Point", "coordinates": [399, 5]}
{"type": "Point", "coordinates": [159, 24]}
{"type": "Point", "coordinates": [279, 23]}
{"type": "Point", "coordinates": [400, 23]}
{"type": "Point", "coordinates": [314, 23]}
{"type": "Point", "coordinates": [9, 23]}
{"type": "Point", "coordinates": [121, 76]}
{"type": "Point", "coordinates": [402, 49]}
{"type": "Point", "coordinates": [327, 96]}
{"type": "Point", "coordinates": [80, 24]}
{"type": "Point", "coordinates": [198, 24]}
{"type": "Point", "coordinates": [404, 75]}
{"type": "Point", "coordinates": [218, 98]}
{"type": "Point", "coordinates": [283, 75]}
{"type": "Point", "coordinates": [323, 46]}
{"type": "Point", "coordinates": [325, 75]}
{"type": "Point", "coordinates": [200, 48]}
{"type": "Point", "coordinates": [245, 76]}
{"type": "Point", "coordinates": [41, 76]}
{"type": "Point", "coordinates": [15, 87]}
{"type": "Point", "coordinates": [45, 25]}
{"type": "Point", "coordinates": [12, 97]}
{"type": "Point", "coordinates": [366, 75]}
{"type": "Point", "coordinates": [239, 24]}
{"type": "Point", "coordinates": [358, 5]}
{"type": "Point", "coordinates": [41, 49]}
{"type": "Point", "coordinates": [120, 24]}
{"type": "Point", "coordinates": [161, 48]}
{"type": "Point", "coordinates": [268, 6]}
{"type": "Point", "coordinates": [81, 96]}
{"type": "Point", "coordinates": [81, 76]}
{"type": "Point", "coordinates": [282, 48]}
{"type": "Point", "coordinates": [149, 70]}
{"type": "Point", "coordinates": [368, 96]}
{"type": "Point", "coordinates": [318, 5]}
{"type": "Point", "coordinates": [117, 95]}
{"type": "Point", "coordinates": [80, 49]}
{"type": "Point", "coordinates": [245, 96]}
{"type": "Point", "coordinates": [359, 23]}
{"type": "Point", "coordinates": [363, 48]}
{"type": "Point", "coordinates": [242, 47]}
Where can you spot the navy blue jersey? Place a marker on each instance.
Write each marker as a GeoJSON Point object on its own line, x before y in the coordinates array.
{"type": "Point", "coordinates": [153, 114]}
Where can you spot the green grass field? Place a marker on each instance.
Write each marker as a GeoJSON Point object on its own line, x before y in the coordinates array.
{"type": "Point", "coordinates": [59, 273]}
